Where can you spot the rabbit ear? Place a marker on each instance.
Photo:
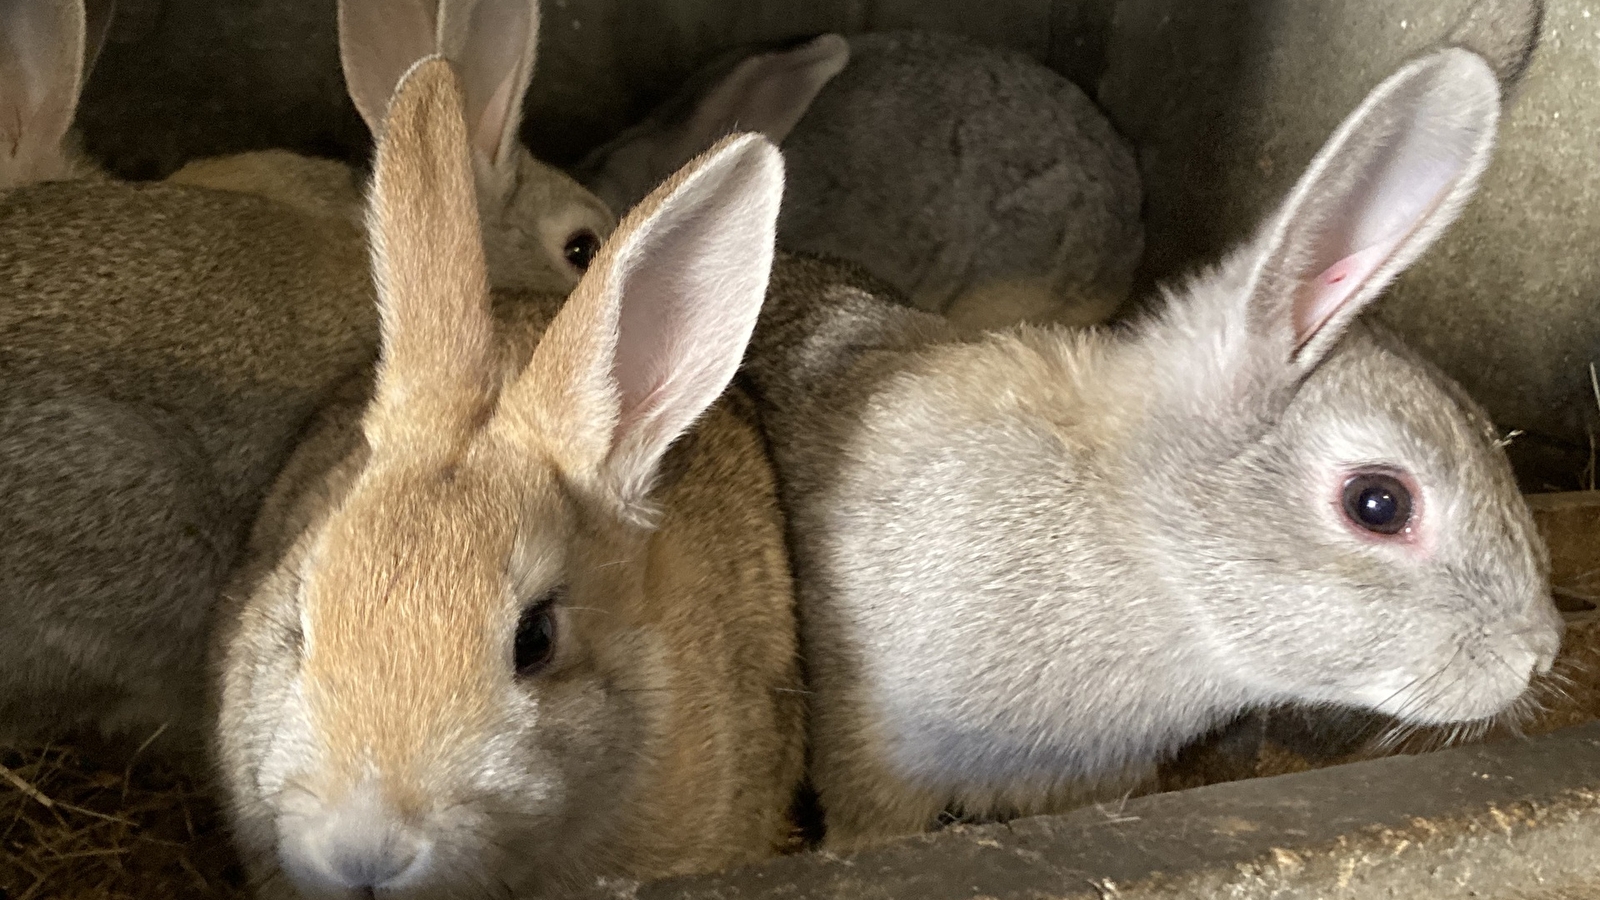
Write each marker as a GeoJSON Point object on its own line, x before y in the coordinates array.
{"type": "Point", "coordinates": [655, 330]}
{"type": "Point", "coordinates": [434, 375]}
{"type": "Point", "coordinates": [1392, 177]}
{"type": "Point", "coordinates": [42, 45]}
{"type": "Point", "coordinates": [1505, 33]}
{"type": "Point", "coordinates": [494, 44]}
{"type": "Point", "coordinates": [768, 93]}
{"type": "Point", "coordinates": [379, 41]}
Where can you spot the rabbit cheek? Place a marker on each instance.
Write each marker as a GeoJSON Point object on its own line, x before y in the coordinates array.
{"type": "Point", "coordinates": [541, 229]}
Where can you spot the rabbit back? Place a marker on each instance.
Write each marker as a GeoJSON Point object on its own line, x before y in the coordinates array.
{"type": "Point", "coordinates": [951, 169]}
{"type": "Point", "coordinates": [161, 348]}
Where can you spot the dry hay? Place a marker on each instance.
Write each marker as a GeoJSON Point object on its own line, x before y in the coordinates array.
{"type": "Point", "coordinates": [77, 824]}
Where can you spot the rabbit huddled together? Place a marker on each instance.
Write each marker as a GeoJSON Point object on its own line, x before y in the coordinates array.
{"type": "Point", "coordinates": [494, 539]}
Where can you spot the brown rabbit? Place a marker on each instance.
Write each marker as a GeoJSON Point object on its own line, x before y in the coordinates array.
{"type": "Point", "coordinates": [161, 349]}
{"type": "Point", "coordinates": [499, 630]}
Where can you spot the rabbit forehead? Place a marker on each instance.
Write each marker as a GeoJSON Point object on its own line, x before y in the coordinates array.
{"type": "Point", "coordinates": [1374, 402]}
{"type": "Point", "coordinates": [409, 607]}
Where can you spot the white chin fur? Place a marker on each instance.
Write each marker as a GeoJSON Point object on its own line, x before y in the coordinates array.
{"type": "Point", "coordinates": [1467, 690]}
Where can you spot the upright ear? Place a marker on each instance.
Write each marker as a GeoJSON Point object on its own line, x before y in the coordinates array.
{"type": "Point", "coordinates": [494, 44]}
{"type": "Point", "coordinates": [767, 93]}
{"type": "Point", "coordinates": [435, 374]}
{"type": "Point", "coordinates": [1505, 33]}
{"type": "Point", "coordinates": [657, 327]}
{"type": "Point", "coordinates": [379, 41]}
{"type": "Point", "coordinates": [42, 66]}
{"type": "Point", "coordinates": [1383, 188]}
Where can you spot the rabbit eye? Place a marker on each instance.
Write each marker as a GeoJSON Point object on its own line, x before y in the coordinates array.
{"type": "Point", "coordinates": [536, 637]}
{"type": "Point", "coordinates": [1377, 502]}
{"type": "Point", "coordinates": [580, 249]}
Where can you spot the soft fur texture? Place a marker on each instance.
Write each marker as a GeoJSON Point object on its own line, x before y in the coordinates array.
{"type": "Point", "coordinates": [1032, 564]}
{"type": "Point", "coordinates": [531, 212]}
{"type": "Point", "coordinates": [375, 733]}
{"type": "Point", "coordinates": [975, 180]}
{"type": "Point", "coordinates": [161, 347]}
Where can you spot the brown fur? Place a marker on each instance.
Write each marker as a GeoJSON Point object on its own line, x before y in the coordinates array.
{"type": "Point", "coordinates": [161, 349]}
{"type": "Point", "coordinates": [666, 734]}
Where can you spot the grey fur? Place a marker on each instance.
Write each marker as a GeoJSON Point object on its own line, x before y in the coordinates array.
{"type": "Point", "coordinates": [153, 386]}
{"type": "Point", "coordinates": [975, 180]}
{"type": "Point", "coordinates": [1505, 33]}
{"type": "Point", "coordinates": [1033, 563]}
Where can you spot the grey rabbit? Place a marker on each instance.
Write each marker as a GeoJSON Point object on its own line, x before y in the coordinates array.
{"type": "Point", "coordinates": [1031, 564]}
{"type": "Point", "coordinates": [975, 180]}
{"type": "Point", "coordinates": [160, 347]}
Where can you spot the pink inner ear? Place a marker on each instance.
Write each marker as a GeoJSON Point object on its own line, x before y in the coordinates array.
{"type": "Point", "coordinates": [1329, 291]}
{"type": "Point", "coordinates": [490, 127]}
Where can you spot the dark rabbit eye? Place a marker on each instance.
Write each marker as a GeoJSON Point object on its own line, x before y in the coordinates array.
{"type": "Point", "coordinates": [1377, 502]}
{"type": "Point", "coordinates": [581, 248]}
{"type": "Point", "coordinates": [536, 637]}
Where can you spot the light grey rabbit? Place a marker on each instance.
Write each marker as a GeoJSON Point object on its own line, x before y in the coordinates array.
{"type": "Point", "coordinates": [1032, 564]}
{"type": "Point", "coordinates": [975, 180]}
{"type": "Point", "coordinates": [47, 49]}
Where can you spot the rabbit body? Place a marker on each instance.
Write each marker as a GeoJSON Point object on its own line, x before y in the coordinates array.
{"type": "Point", "coordinates": [493, 630]}
{"type": "Point", "coordinates": [153, 387]}
{"type": "Point", "coordinates": [975, 180]}
{"type": "Point", "coordinates": [1031, 564]}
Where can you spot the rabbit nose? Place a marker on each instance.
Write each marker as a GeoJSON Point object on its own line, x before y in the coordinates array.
{"type": "Point", "coordinates": [358, 845]}
{"type": "Point", "coordinates": [1546, 628]}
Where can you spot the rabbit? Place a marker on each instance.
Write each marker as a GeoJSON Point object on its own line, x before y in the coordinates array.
{"type": "Point", "coordinates": [975, 180]}
{"type": "Point", "coordinates": [540, 227]}
{"type": "Point", "coordinates": [501, 627]}
{"type": "Point", "coordinates": [1031, 564]}
{"type": "Point", "coordinates": [161, 346]}
{"type": "Point", "coordinates": [47, 53]}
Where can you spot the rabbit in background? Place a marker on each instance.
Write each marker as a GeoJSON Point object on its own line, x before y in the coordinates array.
{"type": "Point", "coordinates": [975, 181]}
{"type": "Point", "coordinates": [518, 614]}
{"type": "Point", "coordinates": [160, 348]}
{"type": "Point", "coordinates": [1033, 563]}
{"type": "Point", "coordinates": [541, 228]}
